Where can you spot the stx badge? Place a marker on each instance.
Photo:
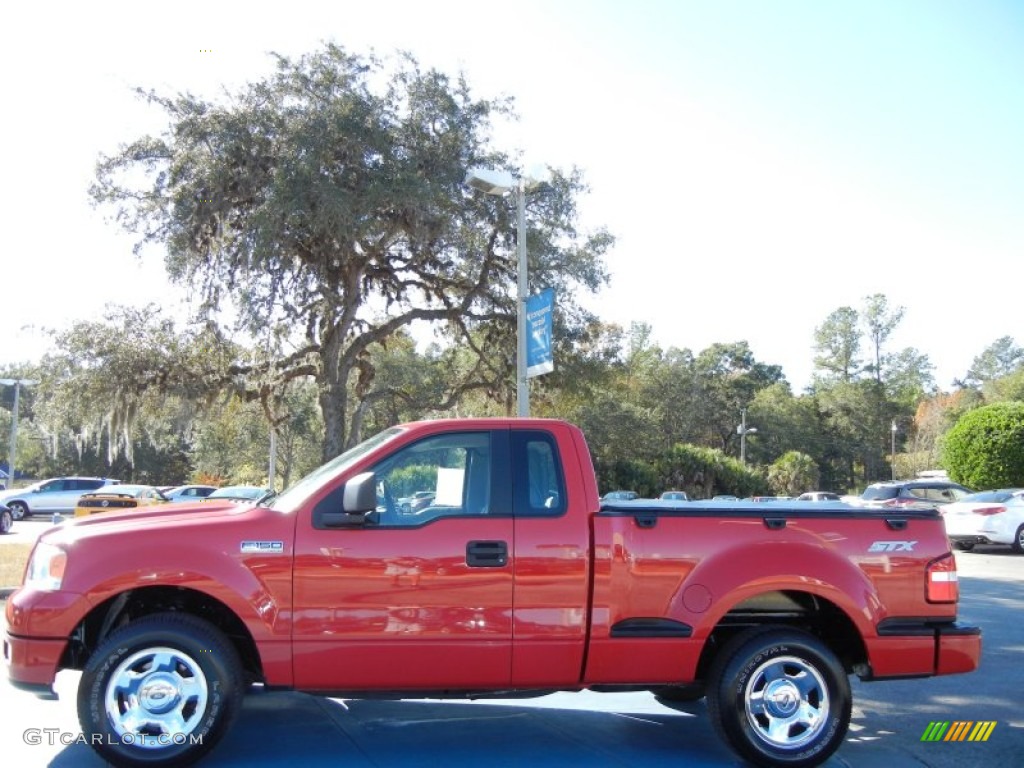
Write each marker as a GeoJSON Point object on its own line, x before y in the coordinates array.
{"type": "Point", "coordinates": [892, 546]}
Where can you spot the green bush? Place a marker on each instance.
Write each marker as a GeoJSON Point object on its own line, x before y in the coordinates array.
{"type": "Point", "coordinates": [628, 475]}
{"type": "Point", "coordinates": [985, 448]}
{"type": "Point", "coordinates": [705, 472]}
{"type": "Point", "coordinates": [793, 473]}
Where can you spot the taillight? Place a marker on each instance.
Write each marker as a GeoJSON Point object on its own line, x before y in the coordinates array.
{"type": "Point", "coordinates": [898, 502]}
{"type": "Point", "coordinates": [987, 511]}
{"type": "Point", "coordinates": [942, 582]}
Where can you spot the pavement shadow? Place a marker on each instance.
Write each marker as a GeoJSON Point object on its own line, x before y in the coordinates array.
{"type": "Point", "coordinates": [563, 730]}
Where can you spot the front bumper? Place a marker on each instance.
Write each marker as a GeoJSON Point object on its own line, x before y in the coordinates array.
{"type": "Point", "coordinates": [32, 662]}
{"type": "Point", "coordinates": [39, 624]}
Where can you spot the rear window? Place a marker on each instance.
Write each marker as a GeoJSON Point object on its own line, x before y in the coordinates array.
{"type": "Point", "coordinates": [986, 496]}
{"type": "Point", "coordinates": [880, 492]}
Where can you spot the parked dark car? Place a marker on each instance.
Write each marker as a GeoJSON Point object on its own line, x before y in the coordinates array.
{"type": "Point", "coordinates": [913, 494]}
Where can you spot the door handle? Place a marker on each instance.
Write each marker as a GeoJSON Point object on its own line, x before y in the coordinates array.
{"type": "Point", "coordinates": [486, 554]}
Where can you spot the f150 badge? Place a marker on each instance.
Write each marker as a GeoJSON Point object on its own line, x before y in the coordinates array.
{"type": "Point", "coordinates": [262, 547]}
{"type": "Point", "coordinates": [892, 546]}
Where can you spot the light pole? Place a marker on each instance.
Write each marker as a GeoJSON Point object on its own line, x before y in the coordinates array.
{"type": "Point", "coordinates": [17, 384]}
{"type": "Point", "coordinates": [893, 430]}
{"type": "Point", "coordinates": [743, 430]}
{"type": "Point", "coordinates": [501, 183]}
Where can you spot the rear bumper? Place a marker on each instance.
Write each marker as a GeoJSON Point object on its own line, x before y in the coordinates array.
{"type": "Point", "coordinates": [912, 648]}
{"type": "Point", "coordinates": [958, 649]}
{"type": "Point", "coordinates": [974, 538]}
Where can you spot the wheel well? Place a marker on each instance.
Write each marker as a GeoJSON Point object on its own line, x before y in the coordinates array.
{"type": "Point", "coordinates": [135, 603]}
{"type": "Point", "coordinates": [790, 608]}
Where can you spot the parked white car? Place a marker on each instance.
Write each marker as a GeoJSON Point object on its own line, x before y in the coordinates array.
{"type": "Point", "coordinates": [177, 493]}
{"type": "Point", "coordinates": [988, 517]}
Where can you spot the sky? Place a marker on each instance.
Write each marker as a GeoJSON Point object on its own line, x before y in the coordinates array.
{"type": "Point", "coordinates": [760, 164]}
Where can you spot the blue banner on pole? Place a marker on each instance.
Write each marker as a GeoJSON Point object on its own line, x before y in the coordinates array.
{"type": "Point", "coordinates": [539, 355]}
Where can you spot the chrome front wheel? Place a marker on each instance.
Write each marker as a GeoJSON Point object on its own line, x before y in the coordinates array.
{"type": "Point", "coordinates": [160, 691]}
{"type": "Point", "coordinates": [156, 696]}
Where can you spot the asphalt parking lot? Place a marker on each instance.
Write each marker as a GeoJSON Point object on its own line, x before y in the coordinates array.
{"type": "Point", "coordinates": [591, 729]}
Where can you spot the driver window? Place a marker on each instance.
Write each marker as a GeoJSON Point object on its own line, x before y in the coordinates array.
{"type": "Point", "coordinates": [441, 476]}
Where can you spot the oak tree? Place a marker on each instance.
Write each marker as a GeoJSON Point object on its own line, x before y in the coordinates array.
{"type": "Point", "coordinates": [327, 202]}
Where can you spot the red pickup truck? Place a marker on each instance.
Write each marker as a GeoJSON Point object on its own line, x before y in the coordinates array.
{"type": "Point", "coordinates": [515, 578]}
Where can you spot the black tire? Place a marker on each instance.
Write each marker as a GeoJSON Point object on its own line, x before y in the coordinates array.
{"type": "Point", "coordinates": [6, 521]}
{"type": "Point", "coordinates": [183, 680]}
{"type": "Point", "coordinates": [680, 694]}
{"type": "Point", "coordinates": [964, 546]}
{"type": "Point", "coordinates": [1018, 541]}
{"type": "Point", "coordinates": [19, 510]}
{"type": "Point", "coordinates": [804, 716]}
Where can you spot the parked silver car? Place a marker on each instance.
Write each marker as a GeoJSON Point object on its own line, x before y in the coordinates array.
{"type": "Point", "coordinates": [57, 495]}
{"type": "Point", "coordinates": [187, 492]}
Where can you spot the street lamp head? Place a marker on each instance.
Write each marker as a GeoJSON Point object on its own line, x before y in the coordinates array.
{"type": "Point", "coordinates": [751, 430]}
{"type": "Point", "coordinates": [491, 181]}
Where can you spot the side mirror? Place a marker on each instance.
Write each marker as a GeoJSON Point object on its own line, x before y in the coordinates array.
{"type": "Point", "coordinates": [358, 504]}
{"type": "Point", "coordinates": [360, 494]}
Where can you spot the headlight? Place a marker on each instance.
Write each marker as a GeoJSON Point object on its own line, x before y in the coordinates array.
{"type": "Point", "coordinates": [46, 568]}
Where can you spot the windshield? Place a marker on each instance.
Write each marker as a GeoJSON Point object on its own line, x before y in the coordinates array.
{"type": "Point", "coordinates": [292, 498]}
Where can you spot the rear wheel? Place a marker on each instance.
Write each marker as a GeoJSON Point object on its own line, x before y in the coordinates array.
{"type": "Point", "coordinates": [1018, 540]}
{"type": "Point", "coordinates": [6, 521]}
{"type": "Point", "coordinates": [160, 692]}
{"type": "Point", "coordinates": [964, 546]}
{"type": "Point", "coordinates": [779, 697]}
{"type": "Point", "coordinates": [19, 510]}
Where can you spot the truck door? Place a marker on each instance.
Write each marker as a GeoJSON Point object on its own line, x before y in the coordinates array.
{"type": "Point", "coordinates": [420, 596]}
{"type": "Point", "coordinates": [552, 560]}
